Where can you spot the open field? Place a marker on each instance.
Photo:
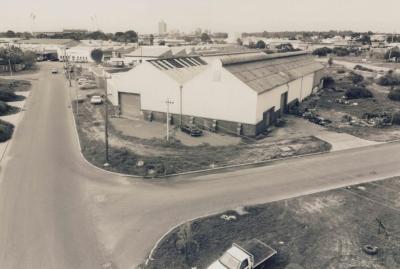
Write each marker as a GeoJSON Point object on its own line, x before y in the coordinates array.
{"type": "Point", "coordinates": [324, 230]}
{"type": "Point", "coordinates": [163, 158]}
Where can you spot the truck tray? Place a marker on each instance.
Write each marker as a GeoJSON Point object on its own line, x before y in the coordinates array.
{"type": "Point", "coordinates": [260, 251]}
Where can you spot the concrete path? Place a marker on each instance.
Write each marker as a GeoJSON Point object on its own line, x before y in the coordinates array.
{"type": "Point", "coordinates": [342, 141]}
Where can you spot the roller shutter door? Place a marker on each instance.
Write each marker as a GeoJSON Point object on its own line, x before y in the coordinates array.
{"type": "Point", "coordinates": [130, 105]}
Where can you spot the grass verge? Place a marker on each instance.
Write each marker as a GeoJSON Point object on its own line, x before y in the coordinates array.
{"type": "Point", "coordinates": [324, 230]}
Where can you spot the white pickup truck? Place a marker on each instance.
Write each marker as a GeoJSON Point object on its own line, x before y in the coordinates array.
{"type": "Point", "coordinates": [247, 256]}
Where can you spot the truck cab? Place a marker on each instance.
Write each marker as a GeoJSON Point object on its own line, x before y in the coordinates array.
{"type": "Point", "coordinates": [247, 256]}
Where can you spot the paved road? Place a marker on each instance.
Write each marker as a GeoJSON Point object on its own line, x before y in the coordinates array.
{"type": "Point", "coordinates": [56, 211]}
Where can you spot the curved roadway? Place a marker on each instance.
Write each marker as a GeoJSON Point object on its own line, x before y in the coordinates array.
{"type": "Point", "coordinates": [57, 211]}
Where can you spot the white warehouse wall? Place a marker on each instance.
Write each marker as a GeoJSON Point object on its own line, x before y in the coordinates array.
{"type": "Point", "coordinates": [228, 99]}
{"type": "Point", "coordinates": [220, 96]}
{"type": "Point", "coordinates": [299, 88]}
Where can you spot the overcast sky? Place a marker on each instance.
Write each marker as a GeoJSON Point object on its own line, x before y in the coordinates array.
{"type": "Point", "coordinates": [216, 15]}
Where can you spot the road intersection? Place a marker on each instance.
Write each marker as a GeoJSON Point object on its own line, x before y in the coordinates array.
{"type": "Point", "coordinates": [58, 211]}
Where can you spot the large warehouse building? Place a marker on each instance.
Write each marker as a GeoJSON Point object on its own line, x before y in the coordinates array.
{"type": "Point", "coordinates": [239, 94]}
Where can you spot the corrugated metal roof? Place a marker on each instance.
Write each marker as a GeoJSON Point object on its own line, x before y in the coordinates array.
{"type": "Point", "coordinates": [264, 74]}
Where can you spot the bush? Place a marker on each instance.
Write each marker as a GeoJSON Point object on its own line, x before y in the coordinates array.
{"type": "Point", "coordinates": [329, 82]}
{"type": "Point", "coordinates": [390, 79]}
{"type": "Point", "coordinates": [358, 92]}
{"type": "Point", "coordinates": [322, 51]}
{"type": "Point", "coordinates": [362, 68]}
{"type": "Point", "coordinates": [355, 78]}
{"type": "Point", "coordinates": [394, 94]}
{"type": "Point", "coordinates": [8, 96]}
{"type": "Point", "coordinates": [396, 118]}
{"type": "Point", "coordinates": [4, 108]}
{"type": "Point", "coordinates": [341, 51]}
{"type": "Point", "coordinates": [6, 130]}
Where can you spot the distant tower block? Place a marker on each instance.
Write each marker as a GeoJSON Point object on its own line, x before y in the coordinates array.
{"type": "Point", "coordinates": [162, 28]}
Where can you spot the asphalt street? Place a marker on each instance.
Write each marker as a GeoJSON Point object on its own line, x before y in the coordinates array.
{"type": "Point", "coordinates": [57, 211]}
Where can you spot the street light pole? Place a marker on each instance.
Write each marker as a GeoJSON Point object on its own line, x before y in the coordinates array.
{"type": "Point", "coordinates": [106, 127]}
{"type": "Point", "coordinates": [9, 66]}
{"type": "Point", "coordinates": [168, 102]}
{"type": "Point", "coordinates": [106, 121]}
{"type": "Point", "coordinates": [180, 92]}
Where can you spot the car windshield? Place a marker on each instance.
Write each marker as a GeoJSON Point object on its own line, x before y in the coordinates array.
{"type": "Point", "coordinates": [229, 261]}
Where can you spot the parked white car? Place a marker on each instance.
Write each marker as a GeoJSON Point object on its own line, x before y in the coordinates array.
{"type": "Point", "coordinates": [87, 86]}
{"type": "Point", "coordinates": [54, 71]}
{"type": "Point", "coordinates": [96, 100]}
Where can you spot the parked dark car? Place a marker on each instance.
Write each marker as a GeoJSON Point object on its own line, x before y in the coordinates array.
{"type": "Point", "coordinates": [191, 130]}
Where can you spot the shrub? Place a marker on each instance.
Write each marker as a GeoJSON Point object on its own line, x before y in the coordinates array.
{"type": "Point", "coordinates": [322, 51]}
{"type": "Point", "coordinates": [396, 118]}
{"type": "Point", "coordinates": [355, 78]}
{"type": "Point", "coordinates": [186, 244]}
{"type": "Point", "coordinates": [341, 51]}
{"type": "Point", "coordinates": [358, 92]}
{"type": "Point", "coordinates": [390, 79]}
{"type": "Point", "coordinates": [329, 82]}
{"type": "Point", "coordinates": [6, 130]}
{"type": "Point", "coordinates": [394, 94]}
{"type": "Point", "coordinates": [8, 96]}
{"type": "Point", "coordinates": [4, 108]}
{"type": "Point", "coordinates": [362, 68]}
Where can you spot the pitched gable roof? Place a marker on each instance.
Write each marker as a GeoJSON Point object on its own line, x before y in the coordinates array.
{"type": "Point", "coordinates": [262, 73]}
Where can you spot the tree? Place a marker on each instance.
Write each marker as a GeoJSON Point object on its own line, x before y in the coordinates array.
{"type": "Point", "coordinates": [205, 38]}
{"type": "Point", "coordinates": [186, 244]}
{"type": "Point", "coordinates": [131, 36]}
{"type": "Point", "coordinates": [29, 59]}
{"type": "Point", "coordinates": [393, 53]}
{"type": "Point", "coordinates": [97, 35]}
{"type": "Point", "coordinates": [260, 44]}
{"type": "Point", "coordinates": [321, 52]}
{"type": "Point", "coordinates": [330, 61]}
{"type": "Point", "coordinates": [339, 51]}
{"type": "Point", "coordinates": [151, 40]}
{"type": "Point", "coordinates": [285, 47]}
{"type": "Point", "coordinates": [97, 55]}
{"type": "Point", "coordinates": [10, 33]}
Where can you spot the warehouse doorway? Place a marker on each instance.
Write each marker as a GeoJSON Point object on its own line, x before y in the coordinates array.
{"type": "Point", "coordinates": [268, 117]}
{"type": "Point", "coordinates": [130, 105]}
{"type": "Point", "coordinates": [284, 103]}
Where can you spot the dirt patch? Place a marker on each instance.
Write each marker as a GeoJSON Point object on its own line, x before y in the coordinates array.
{"type": "Point", "coordinates": [324, 230]}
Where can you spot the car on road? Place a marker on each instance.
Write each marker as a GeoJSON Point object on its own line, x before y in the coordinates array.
{"type": "Point", "coordinates": [249, 255]}
{"type": "Point", "coordinates": [54, 71]}
{"type": "Point", "coordinates": [96, 100]}
{"type": "Point", "coordinates": [191, 130]}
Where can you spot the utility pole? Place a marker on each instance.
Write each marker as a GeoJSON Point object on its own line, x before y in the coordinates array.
{"type": "Point", "coordinates": [106, 120]}
{"type": "Point", "coordinates": [168, 102]}
{"type": "Point", "coordinates": [9, 66]}
{"type": "Point", "coordinates": [69, 74]}
{"type": "Point", "coordinates": [106, 128]}
{"type": "Point", "coordinates": [180, 92]}
{"type": "Point", "coordinates": [390, 51]}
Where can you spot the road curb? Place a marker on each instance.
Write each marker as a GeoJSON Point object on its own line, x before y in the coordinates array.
{"type": "Point", "coordinates": [16, 125]}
